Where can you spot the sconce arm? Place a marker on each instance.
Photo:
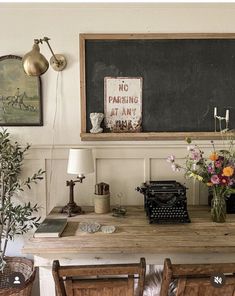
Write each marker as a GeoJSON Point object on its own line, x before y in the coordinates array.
{"type": "Point", "coordinates": [46, 39]}
{"type": "Point", "coordinates": [58, 61]}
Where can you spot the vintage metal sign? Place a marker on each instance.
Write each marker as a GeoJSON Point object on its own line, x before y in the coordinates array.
{"type": "Point", "coordinates": [123, 104]}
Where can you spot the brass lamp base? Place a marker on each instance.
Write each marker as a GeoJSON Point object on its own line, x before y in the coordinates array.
{"type": "Point", "coordinates": [72, 208]}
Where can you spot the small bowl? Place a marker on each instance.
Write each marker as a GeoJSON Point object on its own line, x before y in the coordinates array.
{"type": "Point", "coordinates": [119, 212]}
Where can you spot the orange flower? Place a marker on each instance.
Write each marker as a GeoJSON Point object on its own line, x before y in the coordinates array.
{"type": "Point", "coordinates": [214, 156]}
{"type": "Point", "coordinates": [209, 184]}
{"type": "Point", "coordinates": [228, 171]}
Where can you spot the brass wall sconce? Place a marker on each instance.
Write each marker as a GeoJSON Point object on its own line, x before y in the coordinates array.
{"type": "Point", "coordinates": [35, 64]}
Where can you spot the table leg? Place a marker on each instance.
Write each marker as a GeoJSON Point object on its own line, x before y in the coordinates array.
{"type": "Point", "coordinates": [46, 281]}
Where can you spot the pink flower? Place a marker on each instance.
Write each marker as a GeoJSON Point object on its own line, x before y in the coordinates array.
{"type": "Point", "coordinates": [215, 179]}
{"type": "Point", "coordinates": [210, 169]}
{"type": "Point", "coordinates": [171, 159]}
{"type": "Point", "coordinates": [218, 164]}
{"type": "Point", "coordinates": [196, 155]}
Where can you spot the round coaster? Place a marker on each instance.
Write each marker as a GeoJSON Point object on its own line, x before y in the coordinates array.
{"type": "Point", "coordinates": [89, 227]}
{"type": "Point", "coordinates": [108, 229]}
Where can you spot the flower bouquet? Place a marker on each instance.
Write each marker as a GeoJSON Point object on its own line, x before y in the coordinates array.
{"type": "Point", "coordinates": [217, 171]}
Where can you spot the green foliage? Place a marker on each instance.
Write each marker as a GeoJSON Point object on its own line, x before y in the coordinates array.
{"type": "Point", "coordinates": [15, 219]}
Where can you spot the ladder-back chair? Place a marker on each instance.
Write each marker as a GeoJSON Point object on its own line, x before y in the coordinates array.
{"type": "Point", "coordinates": [99, 280]}
{"type": "Point", "coordinates": [195, 279]}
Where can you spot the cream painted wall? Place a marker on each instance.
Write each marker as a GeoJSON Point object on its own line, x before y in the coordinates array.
{"type": "Point", "coordinates": [123, 165]}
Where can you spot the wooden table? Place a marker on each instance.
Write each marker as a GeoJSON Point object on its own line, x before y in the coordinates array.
{"type": "Point", "coordinates": [201, 241]}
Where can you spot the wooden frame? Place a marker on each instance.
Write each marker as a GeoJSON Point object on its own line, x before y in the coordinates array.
{"type": "Point", "coordinates": [143, 136]}
{"type": "Point", "coordinates": [20, 95]}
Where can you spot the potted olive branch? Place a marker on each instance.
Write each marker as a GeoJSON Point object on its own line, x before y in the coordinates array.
{"type": "Point", "coordinates": [15, 218]}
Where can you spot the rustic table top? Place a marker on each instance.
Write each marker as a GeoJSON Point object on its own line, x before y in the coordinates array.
{"type": "Point", "coordinates": [135, 235]}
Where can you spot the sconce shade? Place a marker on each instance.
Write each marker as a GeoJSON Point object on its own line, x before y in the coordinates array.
{"type": "Point", "coordinates": [34, 63]}
{"type": "Point", "coordinates": [80, 161]}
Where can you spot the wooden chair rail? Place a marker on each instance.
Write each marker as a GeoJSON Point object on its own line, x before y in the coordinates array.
{"type": "Point", "coordinates": [117, 269]}
{"type": "Point", "coordinates": [202, 269]}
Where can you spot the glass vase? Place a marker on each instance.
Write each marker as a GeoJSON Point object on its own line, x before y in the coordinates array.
{"type": "Point", "coordinates": [218, 206]}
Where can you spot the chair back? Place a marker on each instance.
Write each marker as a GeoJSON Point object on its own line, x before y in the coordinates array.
{"type": "Point", "coordinates": [102, 280]}
{"type": "Point", "coordinates": [195, 279]}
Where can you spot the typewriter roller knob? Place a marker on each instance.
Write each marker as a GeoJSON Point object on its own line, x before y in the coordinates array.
{"type": "Point", "coordinates": [139, 189]}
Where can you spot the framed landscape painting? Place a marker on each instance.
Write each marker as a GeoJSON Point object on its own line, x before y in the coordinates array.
{"type": "Point", "coordinates": [20, 95]}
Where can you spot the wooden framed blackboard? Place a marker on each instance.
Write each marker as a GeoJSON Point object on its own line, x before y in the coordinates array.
{"type": "Point", "coordinates": [184, 77]}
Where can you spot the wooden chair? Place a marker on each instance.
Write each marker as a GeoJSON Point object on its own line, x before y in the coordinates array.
{"type": "Point", "coordinates": [99, 280]}
{"type": "Point", "coordinates": [194, 279]}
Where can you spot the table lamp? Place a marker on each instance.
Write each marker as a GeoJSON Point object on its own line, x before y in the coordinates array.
{"type": "Point", "coordinates": [80, 163]}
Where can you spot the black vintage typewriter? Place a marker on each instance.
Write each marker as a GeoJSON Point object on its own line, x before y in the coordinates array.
{"type": "Point", "coordinates": [165, 202]}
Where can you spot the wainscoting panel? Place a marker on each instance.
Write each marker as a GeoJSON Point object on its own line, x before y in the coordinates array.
{"type": "Point", "coordinates": [123, 175]}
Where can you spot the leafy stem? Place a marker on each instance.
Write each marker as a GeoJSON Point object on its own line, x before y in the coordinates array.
{"type": "Point", "coordinates": [15, 219]}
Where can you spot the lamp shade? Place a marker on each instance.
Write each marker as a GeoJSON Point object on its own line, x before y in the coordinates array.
{"type": "Point", "coordinates": [80, 161]}
{"type": "Point", "coordinates": [34, 63]}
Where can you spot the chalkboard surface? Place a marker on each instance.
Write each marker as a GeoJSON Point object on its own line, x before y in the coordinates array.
{"type": "Point", "coordinates": [183, 79]}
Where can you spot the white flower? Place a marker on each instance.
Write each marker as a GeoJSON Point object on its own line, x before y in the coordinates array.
{"type": "Point", "coordinates": [171, 159]}
{"type": "Point", "coordinates": [175, 167]}
{"type": "Point", "coordinates": [190, 148]}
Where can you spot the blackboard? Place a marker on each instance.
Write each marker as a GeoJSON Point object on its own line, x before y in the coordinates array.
{"type": "Point", "coordinates": [183, 79]}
